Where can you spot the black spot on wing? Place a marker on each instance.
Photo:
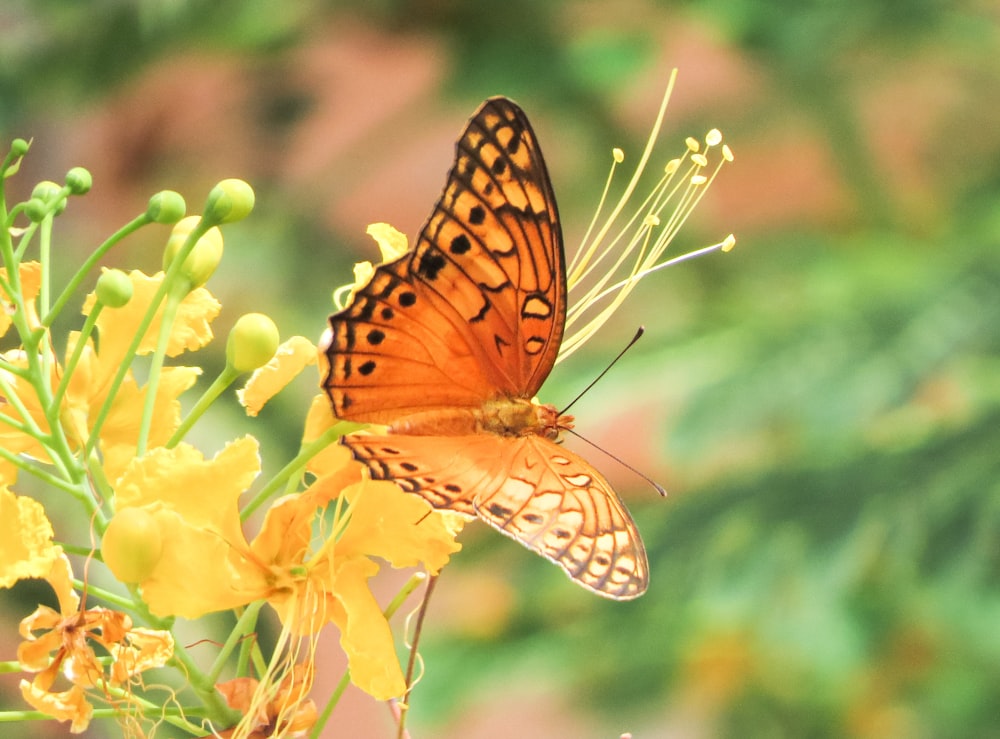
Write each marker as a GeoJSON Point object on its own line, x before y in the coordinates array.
{"type": "Point", "coordinates": [460, 245]}
{"type": "Point", "coordinates": [431, 262]}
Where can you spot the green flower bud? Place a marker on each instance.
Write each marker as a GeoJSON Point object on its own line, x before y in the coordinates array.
{"type": "Point", "coordinates": [49, 192]}
{"type": "Point", "coordinates": [252, 342]}
{"type": "Point", "coordinates": [35, 209]}
{"type": "Point", "coordinates": [19, 147]}
{"type": "Point", "coordinates": [166, 207]}
{"type": "Point", "coordinates": [79, 181]}
{"type": "Point", "coordinates": [204, 257]}
{"type": "Point", "coordinates": [231, 200]}
{"type": "Point", "coordinates": [132, 545]}
{"type": "Point", "coordinates": [114, 288]}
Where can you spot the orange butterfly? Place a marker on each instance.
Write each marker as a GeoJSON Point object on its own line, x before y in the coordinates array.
{"type": "Point", "coordinates": [448, 345]}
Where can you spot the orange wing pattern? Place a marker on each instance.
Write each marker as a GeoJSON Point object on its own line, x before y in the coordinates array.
{"type": "Point", "coordinates": [463, 329]}
{"type": "Point", "coordinates": [548, 498]}
{"type": "Point", "coordinates": [477, 309]}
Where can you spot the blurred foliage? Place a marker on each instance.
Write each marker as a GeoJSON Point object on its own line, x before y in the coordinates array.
{"type": "Point", "coordinates": [828, 562]}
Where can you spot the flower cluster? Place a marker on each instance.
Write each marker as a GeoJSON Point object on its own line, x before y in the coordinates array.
{"type": "Point", "coordinates": [168, 530]}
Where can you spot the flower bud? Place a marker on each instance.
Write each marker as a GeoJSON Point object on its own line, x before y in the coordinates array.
{"type": "Point", "coordinates": [19, 147]}
{"type": "Point", "coordinates": [132, 545]}
{"type": "Point", "coordinates": [204, 257]}
{"type": "Point", "coordinates": [79, 181]}
{"type": "Point", "coordinates": [231, 200]}
{"type": "Point", "coordinates": [114, 288]}
{"type": "Point", "coordinates": [35, 209]}
{"type": "Point", "coordinates": [47, 192]}
{"type": "Point", "coordinates": [252, 342]}
{"type": "Point", "coordinates": [166, 206]}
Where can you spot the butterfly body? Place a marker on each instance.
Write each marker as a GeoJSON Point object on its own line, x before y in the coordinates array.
{"type": "Point", "coordinates": [448, 345]}
{"type": "Point", "coordinates": [501, 417]}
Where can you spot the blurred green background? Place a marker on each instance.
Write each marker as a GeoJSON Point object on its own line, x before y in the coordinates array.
{"type": "Point", "coordinates": [823, 403]}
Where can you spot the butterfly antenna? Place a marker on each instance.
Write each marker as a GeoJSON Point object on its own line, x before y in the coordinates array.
{"type": "Point", "coordinates": [659, 488]}
{"type": "Point", "coordinates": [639, 332]}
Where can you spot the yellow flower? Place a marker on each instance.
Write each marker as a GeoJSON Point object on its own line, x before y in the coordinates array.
{"type": "Point", "coordinates": [61, 642]}
{"type": "Point", "coordinates": [308, 579]}
{"type": "Point", "coordinates": [90, 383]}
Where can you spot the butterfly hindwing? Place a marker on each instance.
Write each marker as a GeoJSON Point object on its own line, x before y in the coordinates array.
{"type": "Point", "coordinates": [536, 492]}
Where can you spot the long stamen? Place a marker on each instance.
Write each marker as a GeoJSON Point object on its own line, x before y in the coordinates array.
{"type": "Point", "coordinates": [618, 255]}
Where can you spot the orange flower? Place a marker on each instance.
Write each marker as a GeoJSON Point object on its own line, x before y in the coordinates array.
{"type": "Point", "coordinates": [286, 711]}
{"type": "Point", "coordinates": [61, 641]}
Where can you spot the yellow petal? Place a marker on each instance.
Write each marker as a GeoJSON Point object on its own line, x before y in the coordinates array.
{"type": "Point", "coordinates": [31, 280]}
{"type": "Point", "coordinates": [199, 572]}
{"type": "Point", "coordinates": [391, 242]}
{"type": "Point", "coordinates": [291, 358]}
{"type": "Point", "coordinates": [12, 440]}
{"type": "Point", "coordinates": [26, 548]}
{"type": "Point", "coordinates": [118, 326]}
{"type": "Point", "coordinates": [365, 636]}
{"type": "Point", "coordinates": [120, 433]}
{"type": "Point", "coordinates": [396, 526]}
{"type": "Point", "coordinates": [318, 421]}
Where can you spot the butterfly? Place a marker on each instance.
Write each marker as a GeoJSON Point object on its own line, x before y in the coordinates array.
{"type": "Point", "coordinates": [448, 345]}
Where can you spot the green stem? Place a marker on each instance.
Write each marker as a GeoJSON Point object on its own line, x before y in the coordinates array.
{"type": "Point", "coordinates": [81, 345]}
{"type": "Point", "coordinates": [73, 285]}
{"type": "Point", "coordinates": [169, 279]}
{"type": "Point", "coordinates": [173, 715]}
{"type": "Point", "coordinates": [173, 302]}
{"type": "Point", "coordinates": [246, 624]}
{"type": "Point", "coordinates": [226, 378]}
{"type": "Point", "coordinates": [307, 452]}
{"type": "Point", "coordinates": [44, 251]}
{"type": "Point", "coordinates": [38, 472]}
{"type": "Point", "coordinates": [118, 601]}
{"type": "Point", "coordinates": [216, 706]}
{"type": "Point", "coordinates": [317, 729]}
{"type": "Point", "coordinates": [26, 237]}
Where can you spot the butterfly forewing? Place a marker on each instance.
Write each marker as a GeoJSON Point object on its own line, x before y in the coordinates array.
{"type": "Point", "coordinates": [477, 309]}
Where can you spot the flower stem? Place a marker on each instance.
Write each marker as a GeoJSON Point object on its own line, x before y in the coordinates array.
{"type": "Point", "coordinates": [246, 624]}
{"type": "Point", "coordinates": [88, 264]}
{"type": "Point", "coordinates": [307, 452]}
{"type": "Point", "coordinates": [173, 302]}
{"type": "Point", "coordinates": [226, 378]}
